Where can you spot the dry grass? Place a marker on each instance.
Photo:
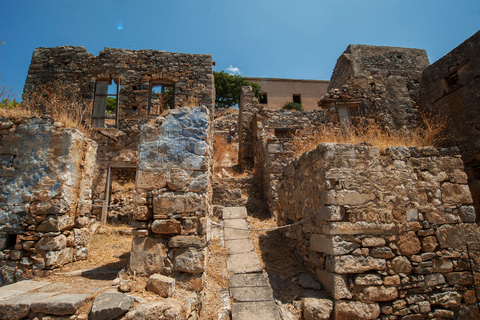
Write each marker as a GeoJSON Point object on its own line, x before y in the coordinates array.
{"type": "Point", "coordinates": [429, 133]}
{"type": "Point", "coordinates": [216, 279]}
{"type": "Point", "coordinates": [67, 110]}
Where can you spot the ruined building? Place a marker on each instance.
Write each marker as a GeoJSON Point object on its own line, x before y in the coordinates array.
{"type": "Point", "coordinates": [388, 233]}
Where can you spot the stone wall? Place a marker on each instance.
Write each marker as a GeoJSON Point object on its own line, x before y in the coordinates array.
{"type": "Point", "coordinates": [451, 87]}
{"type": "Point", "coordinates": [74, 72]}
{"type": "Point", "coordinates": [379, 82]}
{"type": "Point", "coordinates": [173, 196]}
{"type": "Point", "coordinates": [386, 234]}
{"type": "Point", "coordinates": [46, 189]}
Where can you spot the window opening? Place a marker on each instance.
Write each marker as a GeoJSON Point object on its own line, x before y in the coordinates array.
{"type": "Point", "coordinates": [105, 104]}
{"type": "Point", "coordinates": [161, 98]}
{"type": "Point", "coordinates": [264, 99]}
{"type": "Point", "coordinates": [297, 98]}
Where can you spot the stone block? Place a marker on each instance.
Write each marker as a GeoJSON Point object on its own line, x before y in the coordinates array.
{"type": "Point", "coordinates": [412, 215]}
{"type": "Point", "coordinates": [429, 244]}
{"type": "Point", "coordinates": [58, 258]}
{"type": "Point", "coordinates": [442, 265]}
{"type": "Point", "coordinates": [161, 285]}
{"type": "Point", "coordinates": [170, 226]}
{"type": "Point", "coordinates": [456, 193]}
{"type": "Point", "coordinates": [335, 284]}
{"type": "Point", "coordinates": [332, 245]}
{"type": "Point", "coordinates": [360, 227]}
{"type": "Point", "coordinates": [347, 197]}
{"type": "Point", "coordinates": [142, 213]}
{"type": "Point", "coordinates": [369, 279]}
{"type": "Point", "coordinates": [441, 218]}
{"type": "Point", "coordinates": [434, 279]}
{"type": "Point", "coordinates": [353, 264]}
{"type": "Point", "coordinates": [457, 235]}
{"type": "Point", "coordinates": [382, 252]}
{"type": "Point", "coordinates": [467, 214]}
{"type": "Point", "coordinates": [408, 243]}
{"type": "Point", "coordinates": [173, 203]}
{"type": "Point", "coordinates": [329, 213]}
{"type": "Point", "coordinates": [54, 223]}
{"type": "Point", "coordinates": [373, 242]}
{"type": "Point", "coordinates": [401, 264]}
{"type": "Point", "coordinates": [378, 293]}
{"type": "Point", "coordinates": [110, 305]}
{"type": "Point", "coordinates": [459, 278]}
{"type": "Point", "coordinates": [61, 304]}
{"type": "Point", "coordinates": [52, 243]}
{"type": "Point", "coordinates": [186, 242]}
{"type": "Point", "coordinates": [317, 307]}
{"type": "Point", "coordinates": [18, 307]}
{"type": "Point", "coordinates": [355, 310]}
{"type": "Point", "coordinates": [151, 179]}
{"type": "Point", "coordinates": [448, 299]}
{"type": "Point", "coordinates": [189, 260]}
{"type": "Point", "coordinates": [148, 255]}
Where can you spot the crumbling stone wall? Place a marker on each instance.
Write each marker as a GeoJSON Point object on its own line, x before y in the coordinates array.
{"type": "Point", "coordinates": [379, 82]}
{"type": "Point", "coordinates": [173, 196]}
{"type": "Point", "coordinates": [45, 192]}
{"type": "Point", "coordinates": [273, 131]}
{"type": "Point", "coordinates": [386, 234]}
{"type": "Point", "coordinates": [451, 87]}
{"type": "Point", "coordinates": [74, 72]}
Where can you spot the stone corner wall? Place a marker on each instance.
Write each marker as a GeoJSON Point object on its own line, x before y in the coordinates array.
{"type": "Point", "coordinates": [45, 196]}
{"type": "Point", "coordinates": [388, 235]}
{"type": "Point", "coordinates": [173, 196]}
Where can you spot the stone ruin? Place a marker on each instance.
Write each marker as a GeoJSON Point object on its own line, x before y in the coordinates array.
{"type": "Point", "coordinates": [389, 233]}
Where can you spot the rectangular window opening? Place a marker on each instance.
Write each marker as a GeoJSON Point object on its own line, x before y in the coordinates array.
{"type": "Point", "coordinates": [264, 99]}
{"type": "Point", "coordinates": [161, 98]}
{"type": "Point", "coordinates": [297, 98]}
{"type": "Point", "coordinates": [105, 104]}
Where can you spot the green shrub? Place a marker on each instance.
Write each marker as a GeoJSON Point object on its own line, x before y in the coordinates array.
{"type": "Point", "coordinates": [293, 106]}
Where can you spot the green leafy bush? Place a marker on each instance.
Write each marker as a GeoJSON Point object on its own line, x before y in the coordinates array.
{"type": "Point", "coordinates": [293, 106]}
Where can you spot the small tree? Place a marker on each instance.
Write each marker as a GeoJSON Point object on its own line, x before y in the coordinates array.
{"type": "Point", "coordinates": [293, 106]}
{"type": "Point", "coordinates": [228, 88]}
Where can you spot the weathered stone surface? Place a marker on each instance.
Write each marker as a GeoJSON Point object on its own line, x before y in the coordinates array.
{"type": "Point", "coordinates": [373, 242]}
{"type": "Point", "coordinates": [332, 245]}
{"type": "Point", "coordinates": [382, 252]}
{"type": "Point", "coordinates": [189, 260]}
{"type": "Point", "coordinates": [186, 242]}
{"type": "Point", "coordinates": [447, 299]}
{"type": "Point", "coordinates": [168, 309]}
{"type": "Point", "coordinates": [142, 213]}
{"type": "Point", "coordinates": [52, 243]}
{"type": "Point", "coordinates": [401, 265]}
{"type": "Point", "coordinates": [459, 278]}
{"type": "Point", "coordinates": [61, 304]}
{"type": "Point", "coordinates": [408, 243]}
{"type": "Point", "coordinates": [308, 282]}
{"type": "Point", "coordinates": [441, 218]}
{"type": "Point", "coordinates": [125, 285]}
{"type": "Point", "coordinates": [456, 193]}
{"type": "Point", "coordinates": [434, 279]}
{"type": "Point", "coordinates": [18, 307]}
{"type": "Point", "coordinates": [171, 203]}
{"type": "Point", "coordinates": [370, 279]}
{"type": "Point", "coordinates": [317, 307]}
{"type": "Point", "coordinates": [58, 258]}
{"type": "Point", "coordinates": [347, 197]}
{"type": "Point", "coordinates": [378, 293]}
{"type": "Point", "coordinates": [147, 255]}
{"type": "Point", "coordinates": [161, 285]}
{"type": "Point", "coordinates": [354, 264]}
{"type": "Point", "coordinates": [457, 236]}
{"type": "Point", "coordinates": [355, 310]}
{"type": "Point", "coordinates": [429, 244]}
{"type": "Point", "coordinates": [360, 227]}
{"type": "Point", "coordinates": [81, 237]}
{"type": "Point", "coordinates": [442, 265]}
{"type": "Point", "coordinates": [256, 310]}
{"type": "Point", "coordinates": [56, 223]}
{"type": "Point", "coordinates": [467, 214]}
{"type": "Point", "coordinates": [110, 305]}
{"type": "Point", "coordinates": [330, 213]}
{"type": "Point", "coordinates": [170, 226]}
{"type": "Point", "coordinates": [335, 284]}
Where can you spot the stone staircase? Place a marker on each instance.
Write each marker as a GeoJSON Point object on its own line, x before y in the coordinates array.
{"type": "Point", "coordinates": [249, 288]}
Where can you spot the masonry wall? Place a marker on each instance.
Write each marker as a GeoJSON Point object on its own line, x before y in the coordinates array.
{"type": "Point", "coordinates": [45, 196]}
{"type": "Point", "coordinates": [385, 233]}
{"type": "Point", "coordinates": [74, 72]}
{"type": "Point", "coordinates": [378, 82]}
{"type": "Point", "coordinates": [451, 87]}
{"type": "Point", "coordinates": [173, 196]}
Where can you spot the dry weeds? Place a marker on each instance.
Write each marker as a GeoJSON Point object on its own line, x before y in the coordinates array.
{"type": "Point", "coordinates": [429, 133]}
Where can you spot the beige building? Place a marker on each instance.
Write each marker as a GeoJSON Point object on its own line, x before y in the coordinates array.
{"type": "Point", "coordinates": [277, 92]}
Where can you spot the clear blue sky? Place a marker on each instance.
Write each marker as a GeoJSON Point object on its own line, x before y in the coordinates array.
{"type": "Point", "coordinates": [275, 38]}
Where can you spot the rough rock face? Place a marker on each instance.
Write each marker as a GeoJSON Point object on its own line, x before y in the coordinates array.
{"type": "Point", "coordinates": [173, 194]}
{"type": "Point", "coordinates": [46, 171]}
{"type": "Point", "coordinates": [371, 238]}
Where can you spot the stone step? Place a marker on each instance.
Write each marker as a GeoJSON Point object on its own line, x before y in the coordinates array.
{"type": "Point", "coordinates": [21, 287]}
{"type": "Point", "coordinates": [234, 213]}
{"type": "Point", "coordinates": [244, 263]}
{"type": "Point", "coordinates": [258, 310]}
